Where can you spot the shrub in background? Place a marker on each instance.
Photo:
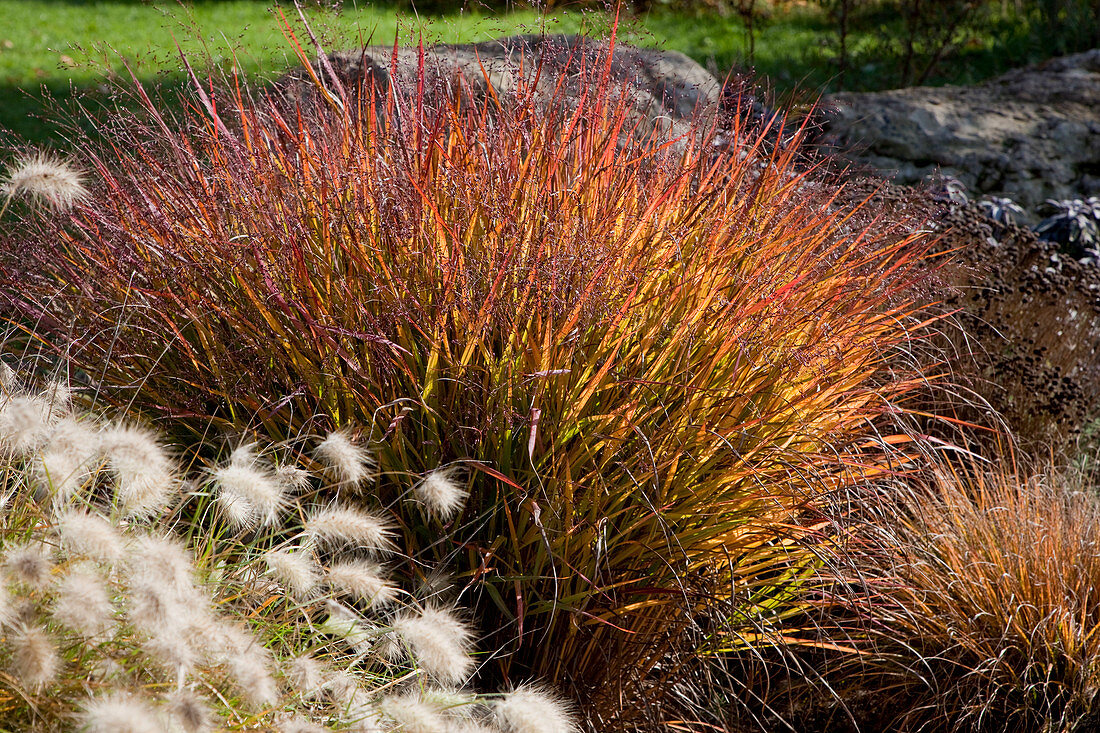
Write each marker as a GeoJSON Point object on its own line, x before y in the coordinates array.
{"type": "Point", "coordinates": [645, 360]}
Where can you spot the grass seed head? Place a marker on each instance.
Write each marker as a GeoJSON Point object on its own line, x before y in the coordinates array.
{"type": "Point", "coordinates": [297, 571]}
{"type": "Point", "coordinates": [25, 423]}
{"type": "Point", "coordinates": [363, 581]}
{"type": "Point", "coordinates": [29, 563]}
{"type": "Point", "coordinates": [287, 723]}
{"type": "Point", "coordinates": [439, 642]}
{"type": "Point", "coordinates": [341, 525]}
{"type": "Point", "coordinates": [144, 476]}
{"type": "Point", "coordinates": [294, 479]}
{"type": "Point", "coordinates": [249, 485]}
{"type": "Point", "coordinates": [34, 660]}
{"type": "Point", "coordinates": [346, 624]}
{"type": "Point", "coordinates": [83, 604]}
{"type": "Point", "coordinates": [530, 709]}
{"type": "Point", "coordinates": [441, 494]}
{"type": "Point", "coordinates": [190, 711]}
{"type": "Point", "coordinates": [65, 464]}
{"type": "Point", "coordinates": [45, 179]}
{"type": "Point", "coordinates": [120, 712]}
{"type": "Point", "coordinates": [349, 464]}
{"type": "Point", "coordinates": [90, 535]}
{"type": "Point", "coordinates": [306, 675]}
{"type": "Point", "coordinates": [412, 714]}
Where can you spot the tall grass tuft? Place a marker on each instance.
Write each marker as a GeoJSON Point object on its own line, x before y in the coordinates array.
{"type": "Point", "coordinates": [644, 359]}
{"type": "Point", "coordinates": [986, 611]}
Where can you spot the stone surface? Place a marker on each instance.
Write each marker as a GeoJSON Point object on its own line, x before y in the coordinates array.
{"type": "Point", "coordinates": [1030, 135]}
{"type": "Point", "coordinates": [666, 88]}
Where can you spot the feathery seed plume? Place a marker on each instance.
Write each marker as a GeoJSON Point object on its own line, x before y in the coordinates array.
{"type": "Point", "coordinates": [247, 661]}
{"type": "Point", "coordinates": [164, 561]}
{"type": "Point", "coordinates": [66, 461]}
{"type": "Point", "coordinates": [439, 642]}
{"type": "Point", "coordinates": [348, 464]}
{"type": "Point", "coordinates": [255, 486]}
{"type": "Point", "coordinates": [29, 563]}
{"type": "Point", "coordinates": [8, 611]}
{"type": "Point", "coordinates": [34, 661]}
{"type": "Point", "coordinates": [60, 397]}
{"type": "Point", "coordinates": [190, 711]}
{"type": "Point", "coordinates": [245, 454]}
{"type": "Point", "coordinates": [531, 709]}
{"type": "Point", "coordinates": [145, 480]}
{"type": "Point", "coordinates": [43, 178]}
{"type": "Point", "coordinates": [342, 687]}
{"type": "Point", "coordinates": [237, 510]}
{"type": "Point", "coordinates": [390, 647]}
{"type": "Point", "coordinates": [336, 525]}
{"type": "Point", "coordinates": [82, 533]}
{"type": "Point", "coordinates": [257, 686]}
{"type": "Point", "coordinates": [120, 713]}
{"type": "Point", "coordinates": [293, 478]}
{"type": "Point", "coordinates": [363, 581]}
{"type": "Point", "coordinates": [306, 675]}
{"type": "Point", "coordinates": [163, 597]}
{"type": "Point", "coordinates": [9, 380]}
{"type": "Point", "coordinates": [297, 571]}
{"type": "Point", "coordinates": [348, 625]}
{"type": "Point", "coordinates": [287, 723]}
{"type": "Point", "coordinates": [173, 648]}
{"type": "Point", "coordinates": [441, 494]}
{"type": "Point", "coordinates": [24, 424]}
{"type": "Point", "coordinates": [82, 604]}
{"type": "Point", "coordinates": [412, 714]}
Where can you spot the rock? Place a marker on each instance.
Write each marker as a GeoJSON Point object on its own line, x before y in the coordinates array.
{"type": "Point", "coordinates": [1030, 135]}
{"type": "Point", "coordinates": [666, 88]}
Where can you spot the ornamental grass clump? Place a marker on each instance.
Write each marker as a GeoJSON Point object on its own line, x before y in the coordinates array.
{"type": "Point", "coordinates": [986, 612]}
{"type": "Point", "coordinates": [186, 620]}
{"type": "Point", "coordinates": [641, 361]}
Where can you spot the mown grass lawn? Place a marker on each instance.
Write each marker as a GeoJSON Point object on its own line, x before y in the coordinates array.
{"type": "Point", "coordinates": [53, 48]}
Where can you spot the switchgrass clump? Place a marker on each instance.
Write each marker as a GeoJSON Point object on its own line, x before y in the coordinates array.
{"type": "Point", "coordinates": [647, 358]}
{"type": "Point", "coordinates": [987, 609]}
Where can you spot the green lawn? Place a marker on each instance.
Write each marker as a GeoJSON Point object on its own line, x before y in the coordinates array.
{"type": "Point", "coordinates": [53, 47]}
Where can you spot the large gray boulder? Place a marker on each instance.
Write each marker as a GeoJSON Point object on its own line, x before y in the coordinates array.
{"type": "Point", "coordinates": [665, 88]}
{"type": "Point", "coordinates": [1030, 135]}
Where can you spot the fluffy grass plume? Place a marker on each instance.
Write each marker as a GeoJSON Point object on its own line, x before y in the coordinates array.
{"type": "Point", "coordinates": [42, 178]}
{"type": "Point", "coordinates": [531, 709]}
{"type": "Point", "coordinates": [298, 571]}
{"type": "Point", "coordinates": [83, 604]}
{"type": "Point", "coordinates": [348, 463]}
{"type": "Point", "coordinates": [29, 563]}
{"type": "Point", "coordinates": [25, 423]}
{"type": "Point", "coordinates": [654, 356]}
{"type": "Point", "coordinates": [252, 494]}
{"type": "Point", "coordinates": [441, 493]}
{"type": "Point", "coordinates": [66, 463]}
{"type": "Point", "coordinates": [34, 658]}
{"type": "Point", "coordinates": [363, 581]}
{"type": "Point", "coordinates": [120, 713]}
{"type": "Point", "coordinates": [339, 525]}
{"type": "Point", "coordinates": [145, 481]}
{"type": "Point", "coordinates": [440, 643]}
{"type": "Point", "coordinates": [90, 535]}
